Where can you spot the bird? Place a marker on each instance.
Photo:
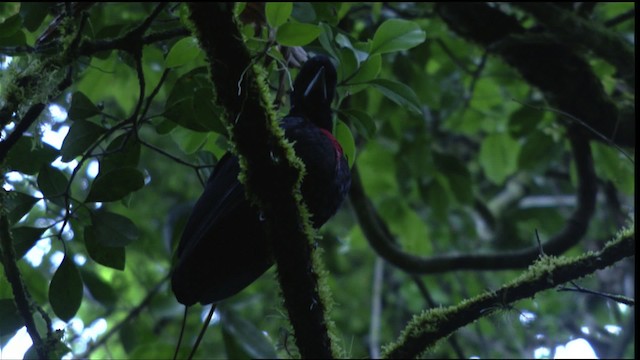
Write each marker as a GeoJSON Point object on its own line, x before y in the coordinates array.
{"type": "Point", "coordinates": [223, 248]}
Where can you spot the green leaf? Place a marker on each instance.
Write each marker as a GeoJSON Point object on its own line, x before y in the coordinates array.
{"type": "Point", "coordinates": [498, 157]}
{"type": "Point", "coordinates": [65, 290]}
{"type": "Point", "coordinates": [130, 334]}
{"type": "Point", "coordinates": [10, 320]}
{"type": "Point", "coordinates": [347, 65]}
{"type": "Point", "coordinates": [81, 107]}
{"type": "Point", "coordinates": [113, 257]}
{"type": "Point", "coordinates": [165, 126]}
{"type": "Point", "coordinates": [11, 33]}
{"type": "Point", "coordinates": [18, 38]}
{"type": "Point", "coordinates": [399, 93]}
{"type": "Point", "coordinates": [80, 137]}
{"type": "Point", "coordinates": [27, 158]}
{"type": "Point", "coordinates": [538, 150]}
{"type": "Point", "coordinates": [115, 184]}
{"type": "Point", "coordinates": [297, 34]}
{"type": "Point", "coordinates": [304, 12]}
{"type": "Point", "coordinates": [33, 13]}
{"type": "Point", "coordinates": [367, 71]}
{"type": "Point", "coordinates": [438, 196]}
{"type": "Point", "coordinates": [99, 289]}
{"type": "Point", "coordinates": [363, 123]}
{"type": "Point", "coordinates": [344, 41]}
{"type": "Point", "coordinates": [524, 120]}
{"type": "Point", "coordinates": [188, 141]}
{"type": "Point", "coordinates": [182, 52]}
{"type": "Point", "coordinates": [243, 339]}
{"type": "Point", "coordinates": [461, 187]}
{"type": "Point", "coordinates": [10, 25]}
{"type": "Point", "coordinates": [102, 76]}
{"type": "Point", "coordinates": [190, 103]}
{"type": "Point", "coordinates": [81, 218]}
{"type": "Point", "coordinates": [122, 152]}
{"type": "Point", "coordinates": [457, 176]}
{"type": "Point", "coordinates": [18, 205]}
{"type": "Point", "coordinates": [345, 138]}
{"type": "Point", "coordinates": [612, 165]}
{"type": "Point", "coordinates": [53, 184]}
{"type": "Point", "coordinates": [24, 238]}
{"type": "Point", "coordinates": [327, 11]}
{"type": "Point", "coordinates": [162, 350]}
{"type": "Point", "coordinates": [114, 230]}
{"type": "Point", "coordinates": [326, 40]}
{"type": "Point", "coordinates": [396, 35]}
{"type": "Point", "coordinates": [5, 286]}
{"type": "Point", "coordinates": [278, 13]}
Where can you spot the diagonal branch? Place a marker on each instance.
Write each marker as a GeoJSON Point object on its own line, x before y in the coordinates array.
{"type": "Point", "coordinates": [425, 330]}
{"type": "Point", "coordinates": [134, 313]}
{"type": "Point", "coordinates": [545, 61]}
{"type": "Point", "coordinates": [20, 293]}
{"type": "Point", "coordinates": [23, 125]}
{"type": "Point", "coordinates": [574, 29]}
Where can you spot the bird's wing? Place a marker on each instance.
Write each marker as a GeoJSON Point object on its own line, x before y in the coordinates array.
{"type": "Point", "coordinates": [221, 195]}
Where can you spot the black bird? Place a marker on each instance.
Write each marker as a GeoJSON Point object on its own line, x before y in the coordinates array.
{"type": "Point", "coordinates": [224, 248]}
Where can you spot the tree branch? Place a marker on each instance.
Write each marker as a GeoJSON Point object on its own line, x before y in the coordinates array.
{"type": "Point", "coordinates": [271, 174]}
{"type": "Point", "coordinates": [130, 317]}
{"type": "Point", "coordinates": [22, 126]}
{"type": "Point", "coordinates": [546, 62]}
{"type": "Point", "coordinates": [20, 292]}
{"type": "Point", "coordinates": [382, 241]}
{"type": "Point", "coordinates": [425, 330]}
{"type": "Point", "coordinates": [574, 29]}
{"type": "Point", "coordinates": [631, 14]}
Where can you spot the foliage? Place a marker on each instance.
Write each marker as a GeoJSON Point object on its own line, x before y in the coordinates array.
{"type": "Point", "coordinates": [471, 163]}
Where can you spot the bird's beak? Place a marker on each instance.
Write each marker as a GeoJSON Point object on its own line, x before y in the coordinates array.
{"type": "Point", "coordinates": [318, 85]}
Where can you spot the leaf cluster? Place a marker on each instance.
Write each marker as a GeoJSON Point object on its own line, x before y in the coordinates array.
{"type": "Point", "coordinates": [466, 153]}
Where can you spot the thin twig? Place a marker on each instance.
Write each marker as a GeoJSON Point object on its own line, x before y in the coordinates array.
{"type": "Point", "coordinates": [29, 117]}
{"type": "Point", "coordinates": [132, 315]}
{"type": "Point", "coordinates": [454, 58]}
{"type": "Point", "coordinates": [155, 92]}
{"type": "Point", "coordinates": [452, 340]}
{"type": "Point", "coordinates": [202, 331]}
{"type": "Point", "coordinates": [542, 254]}
{"type": "Point", "coordinates": [376, 309]}
{"type": "Point", "coordinates": [575, 119]}
{"type": "Point", "coordinates": [425, 330]}
{"type": "Point", "coordinates": [184, 322]}
{"type": "Point", "coordinates": [617, 298]}
{"type": "Point", "coordinates": [20, 292]}
{"type": "Point", "coordinates": [474, 80]}
{"type": "Point", "coordinates": [631, 14]}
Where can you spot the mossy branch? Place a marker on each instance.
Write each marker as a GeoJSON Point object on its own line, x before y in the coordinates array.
{"type": "Point", "coordinates": [271, 172]}
{"type": "Point", "coordinates": [547, 62]}
{"type": "Point", "coordinates": [574, 29]}
{"type": "Point", "coordinates": [426, 329]}
{"type": "Point", "coordinates": [20, 293]}
{"type": "Point", "coordinates": [381, 239]}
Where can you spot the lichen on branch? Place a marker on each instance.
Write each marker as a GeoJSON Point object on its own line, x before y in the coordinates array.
{"type": "Point", "coordinates": [425, 330]}
{"type": "Point", "coordinates": [271, 174]}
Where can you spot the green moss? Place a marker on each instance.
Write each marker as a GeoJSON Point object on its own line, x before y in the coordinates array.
{"type": "Point", "coordinates": [628, 230]}
{"type": "Point", "coordinates": [31, 81]}
{"type": "Point", "coordinates": [255, 127]}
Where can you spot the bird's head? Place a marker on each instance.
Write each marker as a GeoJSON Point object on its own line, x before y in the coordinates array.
{"type": "Point", "coordinates": [313, 91]}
